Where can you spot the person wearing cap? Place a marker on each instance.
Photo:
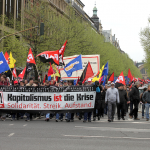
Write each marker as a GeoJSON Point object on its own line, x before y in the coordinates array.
{"type": "Point", "coordinates": [16, 83]}
{"type": "Point", "coordinates": [89, 81]}
{"type": "Point", "coordinates": [65, 83]}
{"type": "Point", "coordinates": [134, 93]}
{"type": "Point", "coordinates": [111, 96]}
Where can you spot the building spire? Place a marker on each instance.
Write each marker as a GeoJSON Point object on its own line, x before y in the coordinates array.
{"type": "Point", "coordinates": [95, 10]}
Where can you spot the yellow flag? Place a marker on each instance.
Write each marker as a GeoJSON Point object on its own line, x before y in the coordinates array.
{"type": "Point", "coordinates": [101, 71]}
{"type": "Point", "coordinates": [99, 76]}
{"type": "Point", "coordinates": [12, 61]}
{"type": "Point", "coordinates": [55, 70]}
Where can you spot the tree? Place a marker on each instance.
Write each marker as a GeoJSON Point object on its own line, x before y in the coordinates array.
{"type": "Point", "coordinates": [145, 41]}
{"type": "Point", "coordinates": [82, 38]}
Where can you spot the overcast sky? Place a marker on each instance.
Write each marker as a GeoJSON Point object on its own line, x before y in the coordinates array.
{"type": "Point", "coordinates": [126, 18]}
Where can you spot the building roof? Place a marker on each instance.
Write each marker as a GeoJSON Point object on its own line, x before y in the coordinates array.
{"type": "Point", "coordinates": [80, 3]}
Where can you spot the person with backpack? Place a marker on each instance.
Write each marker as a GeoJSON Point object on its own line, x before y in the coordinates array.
{"type": "Point", "coordinates": [97, 101]}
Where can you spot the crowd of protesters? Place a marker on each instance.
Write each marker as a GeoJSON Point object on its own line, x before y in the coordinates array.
{"type": "Point", "coordinates": [108, 98]}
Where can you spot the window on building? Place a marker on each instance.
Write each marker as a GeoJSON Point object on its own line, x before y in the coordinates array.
{"type": "Point", "coordinates": [1, 7]}
{"type": "Point", "coordinates": [9, 12]}
{"type": "Point", "coordinates": [18, 9]}
{"type": "Point", "coordinates": [143, 71]}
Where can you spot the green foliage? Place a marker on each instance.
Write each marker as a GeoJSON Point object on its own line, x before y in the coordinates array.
{"type": "Point", "coordinates": [82, 38]}
{"type": "Point", "coordinates": [145, 41]}
{"type": "Point", "coordinates": [18, 48]}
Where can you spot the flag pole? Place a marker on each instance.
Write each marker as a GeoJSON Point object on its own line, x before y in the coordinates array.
{"type": "Point", "coordinates": [37, 71]}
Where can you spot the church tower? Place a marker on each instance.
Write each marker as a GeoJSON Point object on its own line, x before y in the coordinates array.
{"type": "Point", "coordinates": [95, 18]}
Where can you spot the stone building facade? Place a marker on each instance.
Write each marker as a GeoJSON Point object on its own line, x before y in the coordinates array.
{"type": "Point", "coordinates": [142, 69]}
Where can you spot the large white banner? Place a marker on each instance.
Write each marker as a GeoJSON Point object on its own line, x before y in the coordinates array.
{"type": "Point", "coordinates": [70, 98]}
{"type": "Point", "coordinates": [93, 59]}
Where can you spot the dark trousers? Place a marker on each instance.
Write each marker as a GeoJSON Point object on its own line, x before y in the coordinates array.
{"type": "Point", "coordinates": [72, 116]}
{"type": "Point", "coordinates": [94, 112]}
{"type": "Point", "coordinates": [102, 106]}
{"type": "Point", "coordinates": [131, 106]}
{"type": "Point", "coordinates": [87, 115]}
{"type": "Point", "coordinates": [96, 107]}
{"type": "Point", "coordinates": [121, 108]}
{"type": "Point", "coordinates": [134, 112]}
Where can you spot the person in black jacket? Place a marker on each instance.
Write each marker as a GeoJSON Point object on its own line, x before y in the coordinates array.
{"type": "Point", "coordinates": [123, 101]}
{"type": "Point", "coordinates": [102, 102]}
{"type": "Point", "coordinates": [134, 93]}
{"type": "Point", "coordinates": [143, 102]}
{"type": "Point", "coordinates": [97, 101]}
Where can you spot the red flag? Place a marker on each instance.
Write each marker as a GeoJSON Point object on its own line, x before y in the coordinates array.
{"type": "Point", "coordinates": [121, 79]}
{"type": "Point", "coordinates": [50, 71]}
{"type": "Point", "coordinates": [7, 57]}
{"type": "Point", "coordinates": [111, 78]}
{"type": "Point", "coordinates": [62, 50]}
{"type": "Point", "coordinates": [100, 80]}
{"type": "Point", "coordinates": [49, 56]}
{"type": "Point", "coordinates": [130, 75]}
{"type": "Point", "coordinates": [133, 78]}
{"type": "Point", "coordinates": [88, 72]}
{"type": "Point", "coordinates": [61, 53]}
{"type": "Point", "coordinates": [14, 73]}
{"type": "Point", "coordinates": [21, 75]}
{"type": "Point", "coordinates": [30, 58]}
{"type": "Point", "coordinates": [78, 80]}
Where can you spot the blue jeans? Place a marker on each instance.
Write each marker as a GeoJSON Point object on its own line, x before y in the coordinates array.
{"type": "Point", "coordinates": [13, 115]}
{"type": "Point", "coordinates": [143, 107]}
{"type": "Point", "coordinates": [47, 115]}
{"type": "Point", "coordinates": [87, 115]}
{"type": "Point", "coordinates": [147, 105]}
{"type": "Point", "coordinates": [69, 116]}
{"type": "Point", "coordinates": [66, 116]}
{"type": "Point", "coordinates": [28, 116]}
{"type": "Point", "coordinates": [106, 109]}
{"type": "Point", "coordinates": [57, 116]}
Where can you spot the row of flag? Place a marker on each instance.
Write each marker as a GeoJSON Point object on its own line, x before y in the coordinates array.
{"type": "Point", "coordinates": [55, 59]}
{"type": "Point", "coordinates": [7, 62]}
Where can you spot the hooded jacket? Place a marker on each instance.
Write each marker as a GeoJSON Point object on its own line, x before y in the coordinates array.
{"type": "Point", "coordinates": [112, 95]}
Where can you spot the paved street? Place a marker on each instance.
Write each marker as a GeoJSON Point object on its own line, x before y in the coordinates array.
{"type": "Point", "coordinates": [41, 135]}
